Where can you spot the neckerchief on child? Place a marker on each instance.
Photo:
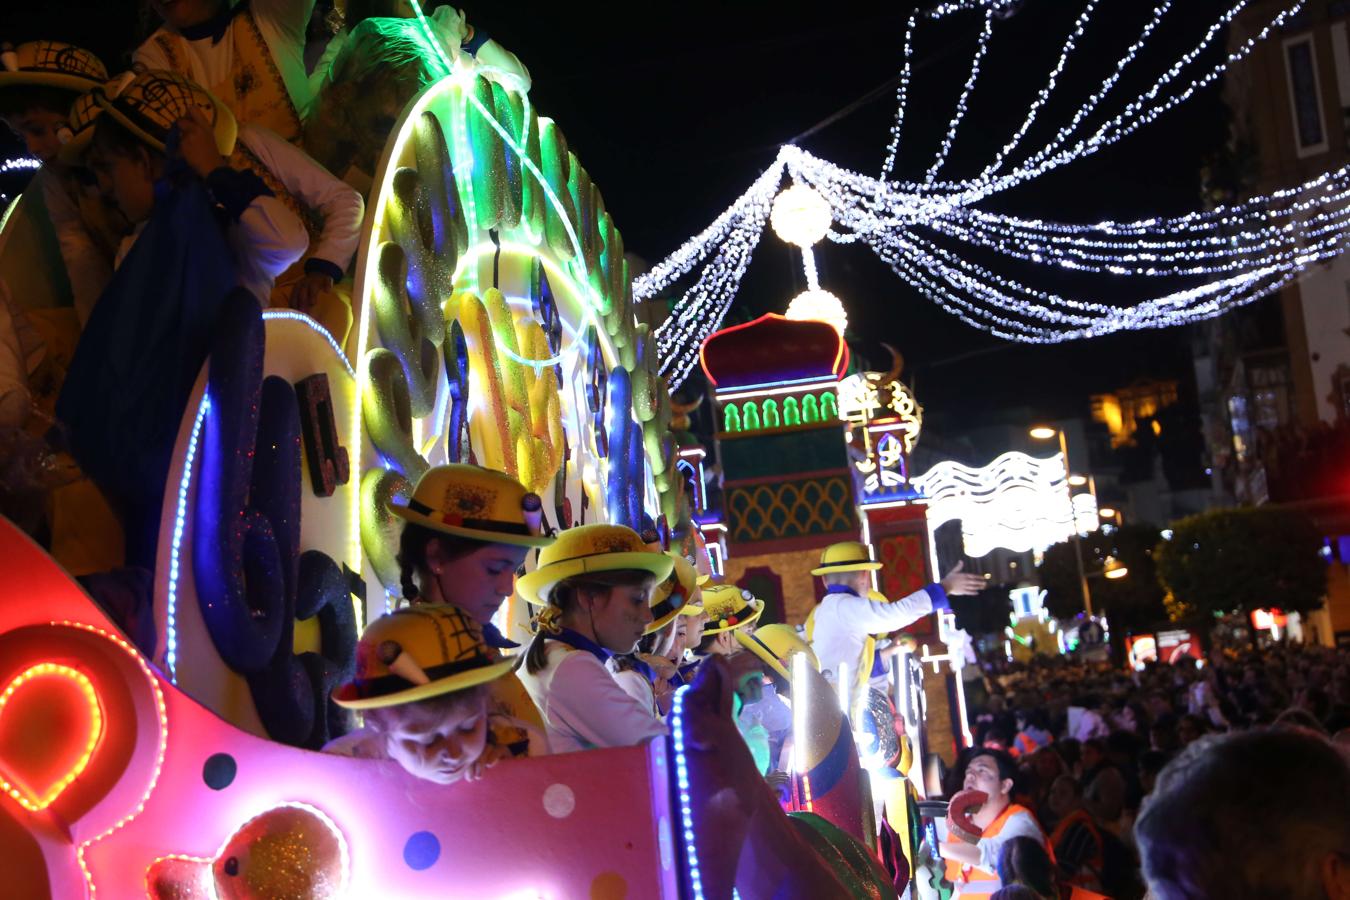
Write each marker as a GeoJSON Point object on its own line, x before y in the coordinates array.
{"type": "Point", "coordinates": [493, 637]}
{"type": "Point", "coordinates": [579, 641]}
{"type": "Point", "coordinates": [216, 26]}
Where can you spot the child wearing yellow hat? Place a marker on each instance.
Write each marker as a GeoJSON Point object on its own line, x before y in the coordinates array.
{"type": "Point", "coordinates": [594, 588]}
{"type": "Point", "coordinates": [39, 80]}
{"type": "Point", "coordinates": [651, 674]}
{"type": "Point", "coordinates": [468, 529]}
{"type": "Point", "coordinates": [421, 682]}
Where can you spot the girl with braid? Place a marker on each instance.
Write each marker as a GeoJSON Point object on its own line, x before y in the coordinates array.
{"type": "Point", "coordinates": [467, 533]}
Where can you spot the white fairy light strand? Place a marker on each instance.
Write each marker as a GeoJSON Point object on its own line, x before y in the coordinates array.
{"type": "Point", "coordinates": [981, 50]}
{"type": "Point", "coordinates": [901, 98]}
{"type": "Point", "coordinates": [1217, 259]}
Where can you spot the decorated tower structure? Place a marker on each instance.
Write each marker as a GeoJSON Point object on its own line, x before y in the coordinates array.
{"type": "Point", "coordinates": [787, 482]}
{"type": "Point", "coordinates": [809, 457]}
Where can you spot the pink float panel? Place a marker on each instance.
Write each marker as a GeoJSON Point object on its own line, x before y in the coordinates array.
{"type": "Point", "coordinates": [592, 824]}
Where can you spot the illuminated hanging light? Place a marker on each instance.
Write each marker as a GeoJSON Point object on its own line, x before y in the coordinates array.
{"type": "Point", "coordinates": [820, 306]}
{"type": "Point", "coordinates": [934, 234]}
{"type": "Point", "coordinates": [800, 216]}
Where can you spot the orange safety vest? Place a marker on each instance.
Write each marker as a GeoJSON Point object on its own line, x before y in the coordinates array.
{"type": "Point", "coordinates": [1094, 862]}
{"type": "Point", "coordinates": [975, 882]}
{"type": "Point", "coordinates": [1077, 893]}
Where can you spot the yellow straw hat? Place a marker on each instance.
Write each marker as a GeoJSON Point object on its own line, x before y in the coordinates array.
{"type": "Point", "coordinates": [775, 644]}
{"type": "Point", "coordinates": [79, 130]}
{"type": "Point", "coordinates": [673, 597]}
{"type": "Point", "coordinates": [417, 653]}
{"type": "Point", "coordinates": [729, 607]}
{"type": "Point", "coordinates": [147, 104]}
{"type": "Point", "coordinates": [849, 556]}
{"type": "Point", "coordinates": [591, 548]}
{"type": "Point", "coordinates": [50, 64]}
{"type": "Point", "coordinates": [478, 503]}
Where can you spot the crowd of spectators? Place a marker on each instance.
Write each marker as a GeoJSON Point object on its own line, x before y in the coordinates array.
{"type": "Point", "coordinates": [1102, 752]}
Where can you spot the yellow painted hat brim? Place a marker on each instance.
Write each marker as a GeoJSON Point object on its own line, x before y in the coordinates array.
{"type": "Point", "coordinates": [757, 647]}
{"type": "Point", "coordinates": [534, 586]}
{"type": "Point", "coordinates": [662, 622]}
{"type": "Point", "coordinates": [345, 695]}
{"type": "Point", "coordinates": [74, 83]}
{"type": "Point", "coordinates": [487, 537]}
{"type": "Point", "coordinates": [847, 567]}
{"type": "Point", "coordinates": [225, 130]}
{"type": "Point", "coordinates": [741, 623]}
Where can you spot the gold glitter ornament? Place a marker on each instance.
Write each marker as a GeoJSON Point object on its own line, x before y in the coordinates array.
{"type": "Point", "coordinates": [380, 528]}
{"type": "Point", "coordinates": [557, 172]}
{"type": "Point", "coordinates": [387, 411]}
{"type": "Point", "coordinates": [488, 177]}
{"type": "Point", "coordinates": [403, 333]}
{"type": "Point", "coordinates": [287, 853]}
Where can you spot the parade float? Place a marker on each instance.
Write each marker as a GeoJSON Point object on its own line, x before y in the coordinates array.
{"type": "Point", "coordinates": [494, 325]}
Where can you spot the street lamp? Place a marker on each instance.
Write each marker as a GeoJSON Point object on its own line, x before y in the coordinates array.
{"type": "Point", "coordinates": [1115, 569]}
{"type": "Point", "coordinates": [1045, 433]}
{"type": "Point", "coordinates": [1077, 480]}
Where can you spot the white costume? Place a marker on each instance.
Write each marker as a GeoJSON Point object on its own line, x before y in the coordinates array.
{"type": "Point", "coordinates": [340, 207]}
{"type": "Point", "coordinates": [282, 25]}
{"type": "Point", "coordinates": [267, 238]}
{"type": "Point", "coordinates": [584, 707]}
{"type": "Point", "coordinates": [843, 621]}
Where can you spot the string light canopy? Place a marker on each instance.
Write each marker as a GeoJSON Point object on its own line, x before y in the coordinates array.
{"type": "Point", "coordinates": [1000, 272]}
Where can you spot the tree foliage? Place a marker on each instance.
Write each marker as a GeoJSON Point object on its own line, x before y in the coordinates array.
{"type": "Point", "coordinates": [1241, 559]}
{"type": "Point", "coordinates": [1131, 602]}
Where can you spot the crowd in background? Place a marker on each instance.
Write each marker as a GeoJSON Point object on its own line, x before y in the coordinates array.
{"type": "Point", "coordinates": [1091, 741]}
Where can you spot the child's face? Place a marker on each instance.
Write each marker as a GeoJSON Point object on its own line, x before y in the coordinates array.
{"type": "Point", "coordinates": [440, 745]}
{"type": "Point", "coordinates": [187, 13]}
{"type": "Point", "coordinates": [620, 618]}
{"type": "Point", "coordinates": [128, 181]}
{"type": "Point", "coordinates": [479, 581]}
{"type": "Point", "coordinates": [39, 128]}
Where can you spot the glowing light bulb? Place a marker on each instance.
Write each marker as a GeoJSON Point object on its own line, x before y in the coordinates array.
{"type": "Point", "coordinates": [800, 216]}
{"type": "Point", "coordinates": [820, 306]}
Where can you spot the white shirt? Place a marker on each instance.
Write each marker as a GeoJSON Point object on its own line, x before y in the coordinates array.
{"type": "Point", "coordinates": [282, 24]}
{"type": "Point", "coordinates": [584, 707]}
{"type": "Point", "coordinates": [1019, 825]}
{"type": "Point", "coordinates": [843, 622]}
{"type": "Point", "coordinates": [340, 207]}
{"type": "Point", "coordinates": [266, 240]}
{"type": "Point", "coordinates": [15, 363]}
{"type": "Point", "coordinates": [87, 265]}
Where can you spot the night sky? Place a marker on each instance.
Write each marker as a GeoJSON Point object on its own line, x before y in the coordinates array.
{"type": "Point", "coordinates": [674, 109]}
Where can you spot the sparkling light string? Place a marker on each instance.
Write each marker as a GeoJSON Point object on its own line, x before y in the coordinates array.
{"type": "Point", "coordinates": [935, 237]}
{"type": "Point", "coordinates": [1069, 44]}
{"type": "Point", "coordinates": [901, 98]}
{"type": "Point", "coordinates": [981, 50]}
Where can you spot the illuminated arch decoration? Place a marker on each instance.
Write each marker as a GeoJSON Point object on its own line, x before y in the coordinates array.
{"type": "Point", "coordinates": [1017, 502]}
{"type": "Point", "coordinates": [489, 257]}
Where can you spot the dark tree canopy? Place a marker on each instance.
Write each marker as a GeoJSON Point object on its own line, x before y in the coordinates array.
{"type": "Point", "coordinates": [1242, 559]}
{"type": "Point", "coordinates": [1131, 602]}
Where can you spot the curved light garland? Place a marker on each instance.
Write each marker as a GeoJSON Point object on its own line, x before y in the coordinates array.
{"type": "Point", "coordinates": [999, 272]}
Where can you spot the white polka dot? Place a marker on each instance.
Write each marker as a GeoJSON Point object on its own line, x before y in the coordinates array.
{"type": "Point", "coordinates": [559, 801]}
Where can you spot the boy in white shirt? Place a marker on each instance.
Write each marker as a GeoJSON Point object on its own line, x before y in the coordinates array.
{"type": "Point", "coordinates": [39, 81]}
{"type": "Point", "coordinates": [249, 54]}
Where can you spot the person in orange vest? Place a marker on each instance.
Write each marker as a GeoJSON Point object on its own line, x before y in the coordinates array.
{"type": "Point", "coordinates": [1080, 850]}
{"type": "Point", "coordinates": [973, 868]}
{"type": "Point", "coordinates": [1026, 865]}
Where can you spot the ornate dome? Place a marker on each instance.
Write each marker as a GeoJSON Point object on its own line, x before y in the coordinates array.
{"type": "Point", "coordinates": [771, 349]}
